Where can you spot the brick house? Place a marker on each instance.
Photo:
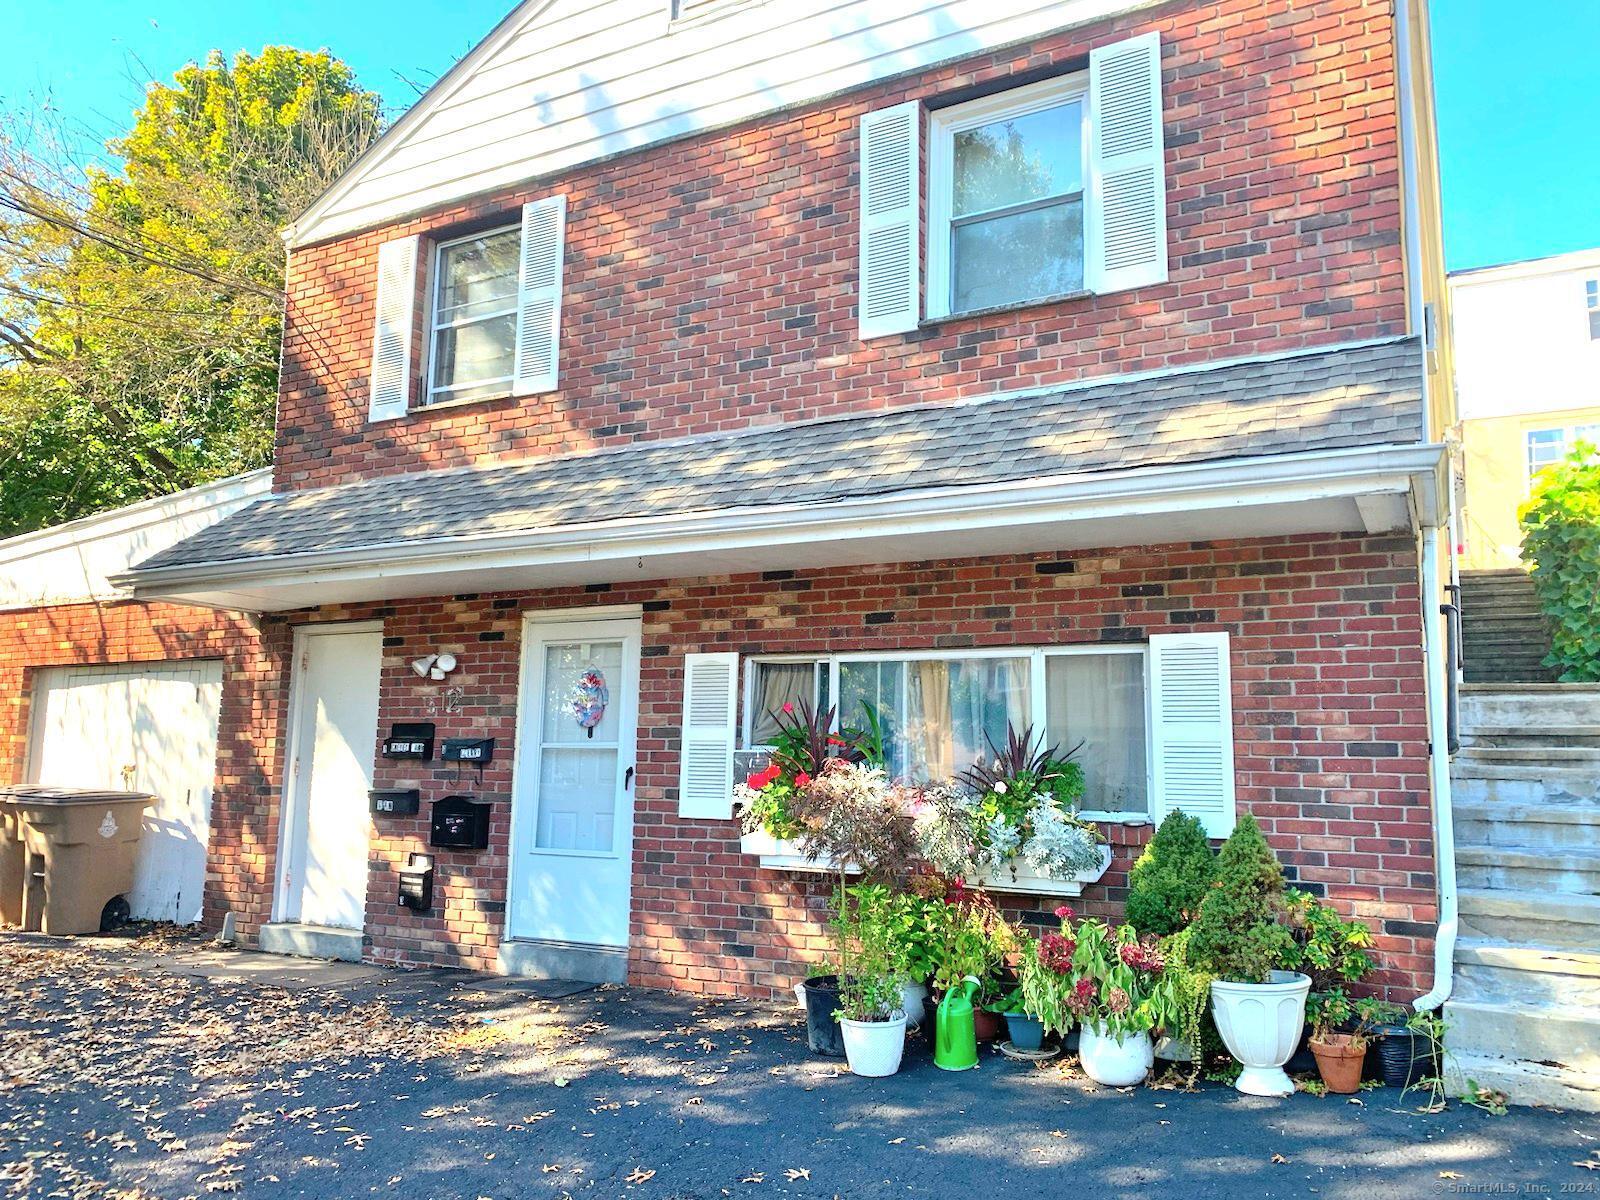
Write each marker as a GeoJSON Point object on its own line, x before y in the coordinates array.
{"type": "Point", "coordinates": [1077, 365]}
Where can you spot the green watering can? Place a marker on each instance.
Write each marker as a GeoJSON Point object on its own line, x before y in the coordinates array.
{"type": "Point", "coordinates": [955, 1041]}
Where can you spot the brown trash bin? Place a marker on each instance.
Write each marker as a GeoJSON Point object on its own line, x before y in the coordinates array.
{"type": "Point", "coordinates": [12, 859]}
{"type": "Point", "coordinates": [78, 851]}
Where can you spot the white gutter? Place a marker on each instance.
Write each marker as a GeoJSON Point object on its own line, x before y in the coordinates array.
{"type": "Point", "coordinates": [1079, 496]}
{"type": "Point", "coordinates": [1444, 833]}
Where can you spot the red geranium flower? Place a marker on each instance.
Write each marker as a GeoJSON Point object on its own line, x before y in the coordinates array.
{"type": "Point", "coordinates": [801, 779]}
{"type": "Point", "coordinates": [787, 709]}
{"type": "Point", "coordinates": [1064, 912]}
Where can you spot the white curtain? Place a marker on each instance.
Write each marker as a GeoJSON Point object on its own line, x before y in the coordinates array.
{"type": "Point", "coordinates": [778, 684]}
{"type": "Point", "coordinates": [1098, 699]}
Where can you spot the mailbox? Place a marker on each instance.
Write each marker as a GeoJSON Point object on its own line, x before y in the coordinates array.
{"type": "Point", "coordinates": [395, 802]}
{"type": "Point", "coordinates": [410, 739]}
{"type": "Point", "coordinates": [416, 883]}
{"type": "Point", "coordinates": [469, 750]}
{"type": "Point", "coordinates": [460, 823]}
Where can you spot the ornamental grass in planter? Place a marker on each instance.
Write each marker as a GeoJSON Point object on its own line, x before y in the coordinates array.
{"type": "Point", "coordinates": [1238, 937]}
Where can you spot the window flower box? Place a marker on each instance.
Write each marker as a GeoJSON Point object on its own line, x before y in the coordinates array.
{"type": "Point", "coordinates": [776, 855]}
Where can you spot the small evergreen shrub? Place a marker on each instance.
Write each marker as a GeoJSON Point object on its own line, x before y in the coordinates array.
{"type": "Point", "coordinates": [1237, 935]}
{"type": "Point", "coordinates": [1561, 539]}
{"type": "Point", "coordinates": [1172, 877]}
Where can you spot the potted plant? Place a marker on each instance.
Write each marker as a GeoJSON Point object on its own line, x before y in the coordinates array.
{"type": "Point", "coordinates": [1171, 877]}
{"type": "Point", "coordinates": [913, 922]}
{"type": "Point", "coordinates": [870, 1014]}
{"type": "Point", "coordinates": [1044, 993]}
{"type": "Point", "coordinates": [1180, 1002]}
{"type": "Point", "coordinates": [1341, 1031]}
{"type": "Point", "coordinates": [1258, 1006]}
{"type": "Point", "coordinates": [1025, 1031]}
{"type": "Point", "coordinates": [1114, 979]}
{"type": "Point", "coordinates": [1012, 817]}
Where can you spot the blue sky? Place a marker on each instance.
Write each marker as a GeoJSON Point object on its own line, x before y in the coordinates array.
{"type": "Point", "coordinates": [1518, 88]}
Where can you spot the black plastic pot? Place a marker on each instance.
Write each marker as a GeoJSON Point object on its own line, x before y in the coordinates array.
{"type": "Point", "coordinates": [823, 1034]}
{"type": "Point", "coordinates": [1405, 1057]}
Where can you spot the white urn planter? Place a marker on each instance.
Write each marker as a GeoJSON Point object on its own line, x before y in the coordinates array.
{"type": "Point", "coordinates": [1116, 1060]}
{"type": "Point", "coordinates": [914, 1000]}
{"type": "Point", "coordinates": [1261, 1023]}
{"type": "Point", "coordinates": [874, 1048]}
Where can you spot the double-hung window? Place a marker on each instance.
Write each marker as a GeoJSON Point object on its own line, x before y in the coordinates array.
{"type": "Point", "coordinates": [1006, 197]}
{"type": "Point", "coordinates": [1591, 303]}
{"type": "Point", "coordinates": [942, 710]}
{"type": "Point", "coordinates": [473, 339]}
{"type": "Point", "coordinates": [1547, 447]}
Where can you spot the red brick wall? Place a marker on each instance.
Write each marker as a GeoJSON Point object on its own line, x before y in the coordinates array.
{"type": "Point", "coordinates": [710, 283]}
{"type": "Point", "coordinates": [1329, 722]}
{"type": "Point", "coordinates": [244, 802]}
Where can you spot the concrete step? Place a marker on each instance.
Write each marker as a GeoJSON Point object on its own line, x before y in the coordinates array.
{"type": "Point", "coordinates": [1568, 1038]}
{"type": "Point", "coordinates": [1527, 975]}
{"type": "Point", "coordinates": [1521, 918]}
{"type": "Point", "coordinates": [1573, 872]}
{"type": "Point", "coordinates": [1555, 756]}
{"type": "Point", "coordinates": [1548, 826]}
{"type": "Point", "coordinates": [1562, 736]}
{"type": "Point", "coordinates": [1523, 1082]}
{"type": "Point", "coordinates": [1530, 704]}
{"type": "Point", "coordinates": [1520, 783]}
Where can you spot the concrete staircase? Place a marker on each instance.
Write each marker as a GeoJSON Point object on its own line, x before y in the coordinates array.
{"type": "Point", "coordinates": [1503, 632]}
{"type": "Point", "coordinates": [1525, 1013]}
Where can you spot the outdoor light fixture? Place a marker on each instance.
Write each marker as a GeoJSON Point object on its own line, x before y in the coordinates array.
{"type": "Point", "coordinates": [434, 666]}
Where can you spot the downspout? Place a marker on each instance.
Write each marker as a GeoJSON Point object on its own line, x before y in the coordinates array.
{"type": "Point", "coordinates": [1444, 835]}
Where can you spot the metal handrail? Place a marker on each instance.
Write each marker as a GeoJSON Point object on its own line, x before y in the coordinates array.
{"type": "Point", "coordinates": [1452, 671]}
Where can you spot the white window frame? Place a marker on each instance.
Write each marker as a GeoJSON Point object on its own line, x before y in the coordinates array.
{"type": "Point", "coordinates": [436, 397]}
{"type": "Point", "coordinates": [1038, 716]}
{"type": "Point", "coordinates": [943, 125]}
{"type": "Point", "coordinates": [747, 690]}
{"type": "Point", "coordinates": [1591, 305]}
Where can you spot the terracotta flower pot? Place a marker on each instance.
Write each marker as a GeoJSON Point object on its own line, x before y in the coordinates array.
{"type": "Point", "coordinates": [1339, 1058]}
{"type": "Point", "coordinates": [989, 1027]}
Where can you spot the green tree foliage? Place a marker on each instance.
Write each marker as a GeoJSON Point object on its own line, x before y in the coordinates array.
{"type": "Point", "coordinates": [1237, 935]}
{"type": "Point", "coordinates": [140, 308]}
{"type": "Point", "coordinates": [1561, 539]}
{"type": "Point", "coordinates": [1172, 876]}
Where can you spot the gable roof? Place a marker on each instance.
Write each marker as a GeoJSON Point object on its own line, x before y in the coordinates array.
{"type": "Point", "coordinates": [560, 83]}
{"type": "Point", "coordinates": [1346, 397]}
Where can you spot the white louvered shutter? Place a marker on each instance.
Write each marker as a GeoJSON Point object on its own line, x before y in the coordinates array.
{"type": "Point", "coordinates": [544, 235]}
{"type": "Point", "coordinates": [705, 778]}
{"type": "Point", "coordinates": [394, 318]}
{"type": "Point", "coordinates": [890, 198]}
{"type": "Point", "coordinates": [1191, 729]}
{"type": "Point", "coordinates": [1125, 224]}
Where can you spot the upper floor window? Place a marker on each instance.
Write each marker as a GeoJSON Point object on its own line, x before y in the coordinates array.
{"type": "Point", "coordinates": [1547, 447]}
{"type": "Point", "coordinates": [473, 339]}
{"type": "Point", "coordinates": [1591, 301]}
{"type": "Point", "coordinates": [1006, 197]}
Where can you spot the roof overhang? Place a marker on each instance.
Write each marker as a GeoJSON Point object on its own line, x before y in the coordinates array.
{"type": "Point", "coordinates": [1373, 490]}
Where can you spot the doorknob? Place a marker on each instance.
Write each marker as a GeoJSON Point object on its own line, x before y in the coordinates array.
{"type": "Point", "coordinates": [627, 779]}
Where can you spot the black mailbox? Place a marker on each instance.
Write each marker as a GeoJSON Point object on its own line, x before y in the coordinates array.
{"type": "Point", "coordinates": [416, 883]}
{"type": "Point", "coordinates": [395, 802]}
{"type": "Point", "coordinates": [410, 739]}
{"type": "Point", "coordinates": [469, 750]}
{"type": "Point", "coordinates": [460, 823]}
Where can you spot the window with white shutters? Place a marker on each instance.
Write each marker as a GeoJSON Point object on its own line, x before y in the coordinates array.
{"type": "Point", "coordinates": [710, 706]}
{"type": "Point", "coordinates": [890, 183]}
{"type": "Point", "coordinates": [1125, 234]}
{"type": "Point", "coordinates": [1191, 729]}
{"type": "Point", "coordinates": [538, 355]}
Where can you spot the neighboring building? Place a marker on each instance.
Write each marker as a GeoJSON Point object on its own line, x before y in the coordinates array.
{"type": "Point", "coordinates": [105, 691]}
{"type": "Point", "coordinates": [1059, 363]}
{"type": "Point", "coordinates": [1527, 339]}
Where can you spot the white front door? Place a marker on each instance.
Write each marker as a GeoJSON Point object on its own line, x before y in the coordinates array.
{"type": "Point", "coordinates": [572, 811]}
{"type": "Point", "coordinates": [146, 727]}
{"type": "Point", "coordinates": [333, 738]}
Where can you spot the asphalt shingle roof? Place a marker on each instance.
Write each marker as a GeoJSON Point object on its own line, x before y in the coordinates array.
{"type": "Point", "coordinates": [1338, 398]}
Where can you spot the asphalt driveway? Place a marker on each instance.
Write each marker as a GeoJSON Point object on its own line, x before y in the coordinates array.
{"type": "Point", "coordinates": [157, 1067]}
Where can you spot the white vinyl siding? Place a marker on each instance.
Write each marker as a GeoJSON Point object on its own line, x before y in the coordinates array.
{"type": "Point", "coordinates": [394, 311]}
{"type": "Point", "coordinates": [566, 82]}
{"type": "Point", "coordinates": [1191, 725]}
{"type": "Point", "coordinates": [1125, 233]}
{"type": "Point", "coordinates": [710, 708]}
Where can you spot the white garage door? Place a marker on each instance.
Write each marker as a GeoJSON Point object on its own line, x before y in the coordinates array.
{"type": "Point", "coordinates": [147, 727]}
